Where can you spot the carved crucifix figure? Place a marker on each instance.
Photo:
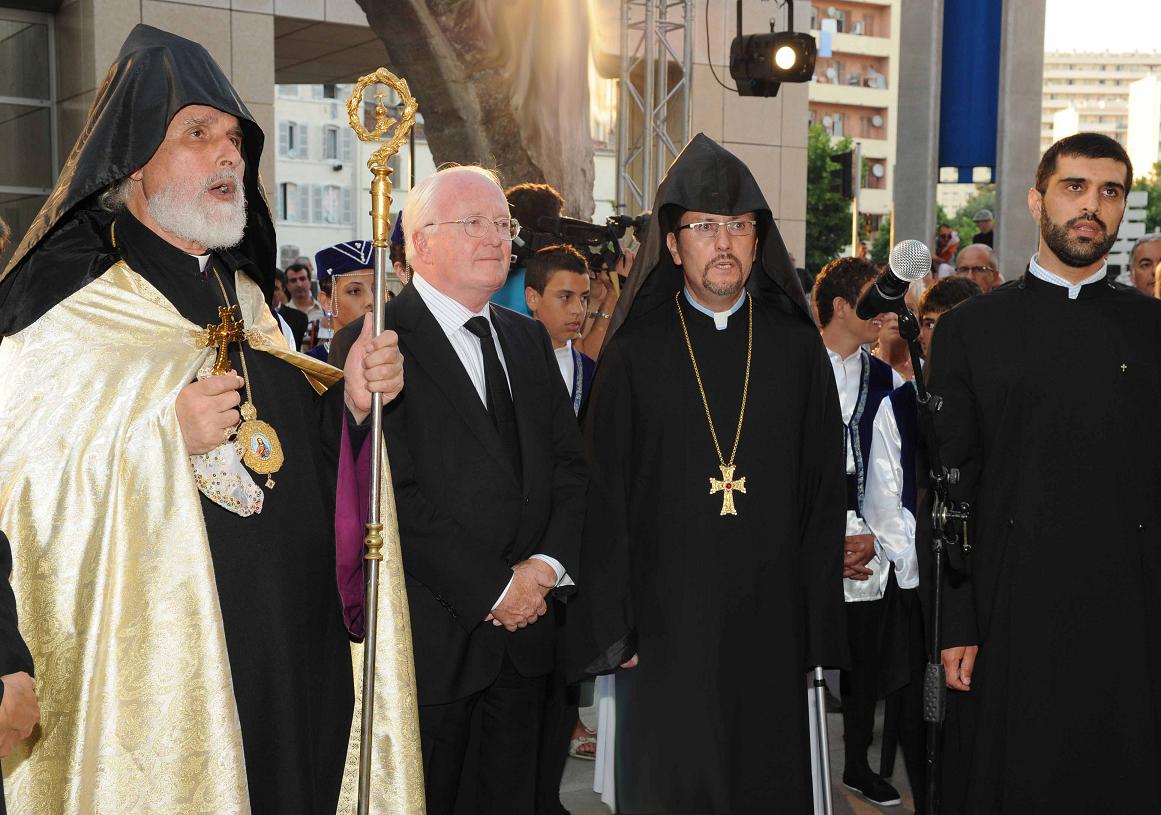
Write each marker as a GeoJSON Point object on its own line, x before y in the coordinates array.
{"type": "Point", "coordinates": [727, 486]}
{"type": "Point", "coordinates": [227, 331]}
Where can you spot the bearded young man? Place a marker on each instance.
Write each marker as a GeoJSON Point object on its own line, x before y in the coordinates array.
{"type": "Point", "coordinates": [1050, 387]}
{"type": "Point", "coordinates": [176, 562]}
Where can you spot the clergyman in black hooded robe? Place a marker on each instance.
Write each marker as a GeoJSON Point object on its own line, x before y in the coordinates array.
{"type": "Point", "coordinates": [182, 590]}
{"type": "Point", "coordinates": [713, 543]}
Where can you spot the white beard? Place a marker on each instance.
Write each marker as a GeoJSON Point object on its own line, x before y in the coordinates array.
{"type": "Point", "coordinates": [185, 209]}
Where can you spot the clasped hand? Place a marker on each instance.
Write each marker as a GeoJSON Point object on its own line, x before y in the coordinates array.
{"type": "Point", "coordinates": [524, 602]}
{"type": "Point", "coordinates": [858, 550]}
{"type": "Point", "coordinates": [19, 710]}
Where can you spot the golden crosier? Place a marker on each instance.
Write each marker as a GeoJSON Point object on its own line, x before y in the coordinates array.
{"type": "Point", "coordinates": [385, 124]}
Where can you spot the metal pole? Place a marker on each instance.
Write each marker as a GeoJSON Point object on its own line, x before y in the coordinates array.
{"type": "Point", "coordinates": [686, 107]}
{"type": "Point", "coordinates": [381, 235]}
{"type": "Point", "coordinates": [823, 746]}
{"type": "Point", "coordinates": [623, 118]}
{"type": "Point", "coordinates": [648, 186]}
{"type": "Point", "coordinates": [856, 185]}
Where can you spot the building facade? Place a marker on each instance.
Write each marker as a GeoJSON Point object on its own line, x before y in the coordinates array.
{"type": "Point", "coordinates": [1090, 92]}
{"type": "Point", "coordinates": [855, 88]}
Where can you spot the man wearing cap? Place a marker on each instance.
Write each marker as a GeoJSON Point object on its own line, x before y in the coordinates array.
{"type": "Point", "coordinates": [712, 562]}
{"type": "Point", "coordinates": [984, 224]}
{"type": "Point", "coordinates": [346, 289]}
{"type": "Point", "coordinates": [176, 480]}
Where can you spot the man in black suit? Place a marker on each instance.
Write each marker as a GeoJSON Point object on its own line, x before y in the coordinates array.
{"type": "Point", "coordinates": [489, 482]}
{"type": "Point", "coordinates": [281, 303]}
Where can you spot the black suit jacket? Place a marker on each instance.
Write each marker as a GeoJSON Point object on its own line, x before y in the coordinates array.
{"type": "Point", "coordinates": [297, 322]}
{"type": "Point", "coordinates": [464, 516]}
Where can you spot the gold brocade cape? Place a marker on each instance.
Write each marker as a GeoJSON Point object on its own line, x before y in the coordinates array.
{"type": "Point", "coordinates": [113, 577]}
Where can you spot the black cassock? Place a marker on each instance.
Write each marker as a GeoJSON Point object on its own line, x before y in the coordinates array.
{"type": "Point", "coordinates": [289, 652]}
{"type": "Point", "coordinates": [1051, 410]}
{"type": "Point", "coordinates": [728, 610]}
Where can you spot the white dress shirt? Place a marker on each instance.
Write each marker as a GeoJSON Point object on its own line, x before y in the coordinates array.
{"type": "Point", "coordinates": [451, 316]}
{"type": "Point", "coordinates": [893, 523]}
{"type": "Point", "coordinates": [1073, 288]}
{"type": "Point", "coordinates": [566, 364]}
{"type": "Point", "coordinates": [848, 377]}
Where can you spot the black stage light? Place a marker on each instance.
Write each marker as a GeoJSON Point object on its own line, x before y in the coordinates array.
{"type": "Point", "coordinates": [760, 63]}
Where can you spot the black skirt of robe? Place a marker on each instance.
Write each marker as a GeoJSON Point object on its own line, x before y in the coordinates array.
{"type": "Point", "coordinates": [728, 612]}
{"type": "Point", "coordinates": [275, 571]}
{"type": "Point", "coordinates": [1051, 413]}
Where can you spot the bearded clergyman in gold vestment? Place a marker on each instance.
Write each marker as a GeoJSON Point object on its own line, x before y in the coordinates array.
{"type": "Point", "coordinates": [181, 489]}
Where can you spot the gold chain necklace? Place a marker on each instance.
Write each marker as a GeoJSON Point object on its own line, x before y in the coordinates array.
{"type": "Point", "coordinates": [727, 485]}
{"type": "Point", "coordinates": [261, 449]}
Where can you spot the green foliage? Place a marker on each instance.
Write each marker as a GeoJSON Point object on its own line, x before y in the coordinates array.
{"type": "Point", "coordinates": [881, 247]}
{"type": "Point", "coordinates": [828, 214]}
{"type": "Point", "coordinates": [1152, 185]}
{"type": "Point", "coordinates": [983, 198]}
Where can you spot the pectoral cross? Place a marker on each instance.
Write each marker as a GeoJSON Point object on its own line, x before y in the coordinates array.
{"type": "Point", "coordinates": [227, 331]}
{"type": "Point", "coordinates": [727, 486]}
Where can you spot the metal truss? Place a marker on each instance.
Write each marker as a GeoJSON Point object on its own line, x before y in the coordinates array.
{"type": "Point", "coordinates": [653, 114]}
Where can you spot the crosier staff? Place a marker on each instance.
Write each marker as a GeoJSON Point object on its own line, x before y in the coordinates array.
{"type": "Point", "coordinates": [395, 132]}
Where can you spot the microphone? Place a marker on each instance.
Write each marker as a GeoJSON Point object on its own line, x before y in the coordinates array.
{"type": "Point", "coordinates": [910, 261]}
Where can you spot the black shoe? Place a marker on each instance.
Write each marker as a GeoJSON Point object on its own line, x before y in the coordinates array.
{"type": "Point", "coordinates": [872, 787]}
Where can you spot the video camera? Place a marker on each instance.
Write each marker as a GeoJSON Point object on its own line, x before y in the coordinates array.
{"type": "Point", "coordinates": [599, 243]}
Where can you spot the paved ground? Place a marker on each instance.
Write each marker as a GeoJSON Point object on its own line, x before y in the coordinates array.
{"type": "Point", "coordinates": [576, 792]}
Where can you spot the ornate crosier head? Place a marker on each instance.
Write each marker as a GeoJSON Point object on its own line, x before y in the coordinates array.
{"type": "Point", "coordinates": [392, 132]}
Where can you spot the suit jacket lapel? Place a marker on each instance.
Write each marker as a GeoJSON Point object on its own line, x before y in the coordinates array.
{"type": "Point", "coordinates": [429, 347]}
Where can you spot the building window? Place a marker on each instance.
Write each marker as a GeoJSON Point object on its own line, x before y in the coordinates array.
{"type": "Point", "coordinates": [288, 254]}
{"type": "Point", "coordinates": [331, 143]}
{"type": "Point", "coordinates": [27, 119]}
{"type": "Point", "coordinates": [331, 209]}
{"type": "Point", "coordinates": [329, 92]}
{"type": "Point", "coordinates": [288, 202]}
{"type": "Point", "coordinates": [292, 140]}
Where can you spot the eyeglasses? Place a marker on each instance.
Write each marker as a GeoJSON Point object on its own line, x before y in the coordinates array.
{"type": "Point", "coordinates": [477, 226]}
{"type": "Point", "coordinates": [973, 269]}
{"type": "Point", "coordinates": [709, 229]}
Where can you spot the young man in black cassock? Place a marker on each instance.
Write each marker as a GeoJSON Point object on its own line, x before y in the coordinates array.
{"type": "Point", "coordinates": [1050, 388]}
{"type": "Point", "coordinates": [713, 544]}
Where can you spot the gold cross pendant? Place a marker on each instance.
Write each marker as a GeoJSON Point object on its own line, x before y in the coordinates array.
{"type": "Point", "coordinates": [727, 486]}
{"type": "Point", "coordinates": [227, 331]}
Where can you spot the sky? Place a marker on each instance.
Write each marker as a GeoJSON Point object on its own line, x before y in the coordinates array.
{"type": "Point", "coordinates": [1102, 25]}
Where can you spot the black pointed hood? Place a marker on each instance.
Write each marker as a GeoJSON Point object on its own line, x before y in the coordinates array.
{"type": "Point", "coordinates": [706, 177]}
{"type": "Point", "coordinates": [155, 75]}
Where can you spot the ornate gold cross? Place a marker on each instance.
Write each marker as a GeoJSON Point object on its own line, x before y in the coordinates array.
{"type": "Point", "coordinates": [227, 331]}
{"type": "Point", "coordinates": [727, 486]}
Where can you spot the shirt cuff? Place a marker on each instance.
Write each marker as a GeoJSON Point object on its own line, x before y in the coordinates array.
{"type": "Point", "coordinates": [562, 578]}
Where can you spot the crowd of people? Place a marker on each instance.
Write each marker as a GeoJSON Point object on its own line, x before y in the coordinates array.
{"type": "Point", "coordinates": [679, 470]}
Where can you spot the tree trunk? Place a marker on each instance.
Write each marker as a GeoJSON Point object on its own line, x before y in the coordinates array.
{"type": "Point", "coordinates": [501, 83]}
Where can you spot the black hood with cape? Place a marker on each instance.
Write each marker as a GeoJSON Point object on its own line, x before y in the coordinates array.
{"type": "Point", "coordinates": [706, 177]}
{"type": "Point", "coordinates": [68, 245]}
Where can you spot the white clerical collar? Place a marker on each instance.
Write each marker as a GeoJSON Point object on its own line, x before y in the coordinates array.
{"type": "Point", "coordinates": [721, 318]}
{"type": "Point", "coordinates": [1073, 288]}
{"type": "Point", "coordinates": [202, 261]}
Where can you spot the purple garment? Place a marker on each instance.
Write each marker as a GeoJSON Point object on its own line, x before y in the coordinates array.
{"type": "Point", "coordinates": [352, 499]}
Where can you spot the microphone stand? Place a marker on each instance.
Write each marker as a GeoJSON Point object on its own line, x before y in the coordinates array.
{"type": "Point", "coordinates": [949, 526]}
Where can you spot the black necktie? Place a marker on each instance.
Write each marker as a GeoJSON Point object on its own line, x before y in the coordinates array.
{"type": "Point", "coordinates": [499, 398]}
